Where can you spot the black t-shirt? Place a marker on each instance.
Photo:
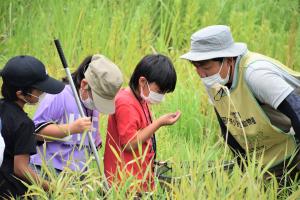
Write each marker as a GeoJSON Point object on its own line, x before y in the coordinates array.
{"type": "Point", "coordinates": [18, 134]}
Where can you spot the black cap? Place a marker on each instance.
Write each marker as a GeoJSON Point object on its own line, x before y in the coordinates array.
{"type": "Point", "coordinates": [27, 71]}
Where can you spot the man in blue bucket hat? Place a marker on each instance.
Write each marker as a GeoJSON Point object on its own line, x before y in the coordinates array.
{"type": "Point", "coordinates": [256, 98]}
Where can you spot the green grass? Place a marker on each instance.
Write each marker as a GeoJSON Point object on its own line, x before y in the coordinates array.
{"type": "Point", "coordinates": [125, 31]}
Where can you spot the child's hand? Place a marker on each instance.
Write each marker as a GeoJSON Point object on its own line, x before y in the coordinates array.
{"type": "Point", "coordinates": [80, 125]}
{"type": "Point", "coordinates": [169, 119]}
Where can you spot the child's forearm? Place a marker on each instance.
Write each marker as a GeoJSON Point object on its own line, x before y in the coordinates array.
{"type": "Point", "coordinates": [28, 172]}
{"type": "Point", "coordinates": [142, 136]}
{"type": "Point", "coordinates": [24, 172]}
{"type": "Point", "coordinates": [62, 130]}
{"type": "Point", "coordinates": [146, 133]}
{"type": "Point", "coordinates": [54, 131]}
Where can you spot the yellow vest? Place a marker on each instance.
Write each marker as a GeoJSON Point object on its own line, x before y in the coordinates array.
{"type": "Point", "coordinates": [248, 123]}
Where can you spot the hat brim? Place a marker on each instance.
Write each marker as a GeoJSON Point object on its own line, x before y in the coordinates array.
{"type": "Point", "coordinates": [49, 85]}
{"type": "Point", "coordinates": [235, 50]}
{"type": "Point", "coordinates": [103, 105]}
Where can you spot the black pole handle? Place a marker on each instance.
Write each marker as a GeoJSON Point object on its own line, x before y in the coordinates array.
{"type": "Point", "coordinates": [61, 53]}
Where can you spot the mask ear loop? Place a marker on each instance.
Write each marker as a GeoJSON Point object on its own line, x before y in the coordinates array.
{"type": "Point", "coordinates": [33, 95]}
{"type": "Point", "coordinates": [87, 87]}
{"type": "Point", "coordinates": [142, 92]}
{"type": "Point", "coordinates": [27, 102]}
{"type": "Point", "coordinates": [148, 87]}
{"type": "Point", "coordinates": [221, 66]}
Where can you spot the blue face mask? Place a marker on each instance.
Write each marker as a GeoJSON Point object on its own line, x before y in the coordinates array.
{"type": "Point", "coordinates": [216, 78]}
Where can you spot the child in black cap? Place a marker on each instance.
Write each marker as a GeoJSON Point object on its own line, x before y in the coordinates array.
{"type": "Point", "coordinates": [25, 79]}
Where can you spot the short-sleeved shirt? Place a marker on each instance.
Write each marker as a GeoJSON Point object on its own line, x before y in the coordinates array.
{"type": "Point", "coordinates": [269, 83]}
{"type": "Point", "coordinates": [18, 134]}
{"type": "Point", "coordinates": [130, 117]}
{"type": "Point", "coordinates": [62, 109]}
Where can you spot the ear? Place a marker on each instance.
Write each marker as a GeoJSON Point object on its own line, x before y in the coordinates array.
{"type": "Point", "coordinates": [20, 94]}
{"type": "Point", "coordinates": [230, 61]}
{"type": "Point", "coordinates": [84, 84]}
{"type": "Point", "coordinates": [142, 81]}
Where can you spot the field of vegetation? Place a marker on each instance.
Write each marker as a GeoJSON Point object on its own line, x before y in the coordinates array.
{"type": "Point", "coordinates": [125, 31]}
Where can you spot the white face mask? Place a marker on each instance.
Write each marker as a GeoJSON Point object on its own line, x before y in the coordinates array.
{"type": "Point", "coordinates": [88, 103]}
{"type": "Point", "coordinates": [40, 98]}
{"type": "Point", "coordinates": [216, 78]}
{"type": "Point", "coordinates": [153, 97]}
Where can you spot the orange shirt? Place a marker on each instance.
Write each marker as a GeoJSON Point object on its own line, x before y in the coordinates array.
{"type": "Point", "coordinates": [122, 127]}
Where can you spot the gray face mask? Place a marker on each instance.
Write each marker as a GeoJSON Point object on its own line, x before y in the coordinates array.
{"type": "Point", "coordinates": [216, 78]}
{"type": "Point", "coordinates": [88, 103]}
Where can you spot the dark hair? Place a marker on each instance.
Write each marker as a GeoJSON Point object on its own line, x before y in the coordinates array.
{"type": "Point", "coordinates": [217, 59]}
{"type": "Point", "coordinates": [201, 62]}
{"type": "Point", "coordinates": [155, 68]}
{"type": "Point", "coordinates": [9, 91]}
{"type": "Point", "coordinates": [78, 75]}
